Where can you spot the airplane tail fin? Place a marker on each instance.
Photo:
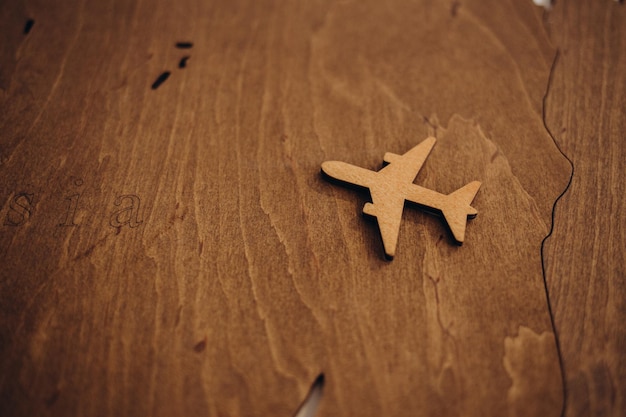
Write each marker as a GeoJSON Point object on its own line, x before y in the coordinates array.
{"type": "Point", "coordinates": [458, 209]}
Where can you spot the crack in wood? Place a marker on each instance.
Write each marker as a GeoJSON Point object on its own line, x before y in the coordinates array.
{"type": "Point", "coordinates": [311, 402]}
{"type": "Point", "coordinates": [543, 242]}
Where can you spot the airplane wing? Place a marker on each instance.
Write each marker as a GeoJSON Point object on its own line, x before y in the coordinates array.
{"type": "Point", "coordinates": [387, 204]}
{"type": "Point", "coordinates": [407, 166]}
{"type": "Point", "coordinates": [387, 208]}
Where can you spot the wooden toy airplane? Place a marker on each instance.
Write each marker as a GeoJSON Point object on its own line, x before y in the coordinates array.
{"type": "Point", "coordinates": [393, 184]}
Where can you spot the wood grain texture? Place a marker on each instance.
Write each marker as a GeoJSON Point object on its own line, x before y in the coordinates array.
{"type": "Point", "coordinates": [585, 257]}
{"type": "Point", "coordinates": [175, 251]}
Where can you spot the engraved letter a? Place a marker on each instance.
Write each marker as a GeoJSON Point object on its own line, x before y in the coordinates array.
{"type": "Point", "coordinates": [129, 215]}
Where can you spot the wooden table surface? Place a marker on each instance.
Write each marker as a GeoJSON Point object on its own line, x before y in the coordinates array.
{"type": "Point", "coordinates": [168, 246]}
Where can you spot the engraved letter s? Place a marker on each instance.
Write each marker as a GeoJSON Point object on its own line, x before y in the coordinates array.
{"type": "Point", "coordinates": [19, 209]}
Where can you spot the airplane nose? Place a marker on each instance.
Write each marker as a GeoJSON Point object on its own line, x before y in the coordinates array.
{"type": "Point", "coordinates": [331, 169]}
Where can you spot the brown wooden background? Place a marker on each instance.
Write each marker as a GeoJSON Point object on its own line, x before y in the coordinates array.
{"type": "Point", "coordinates": [174, 250]}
